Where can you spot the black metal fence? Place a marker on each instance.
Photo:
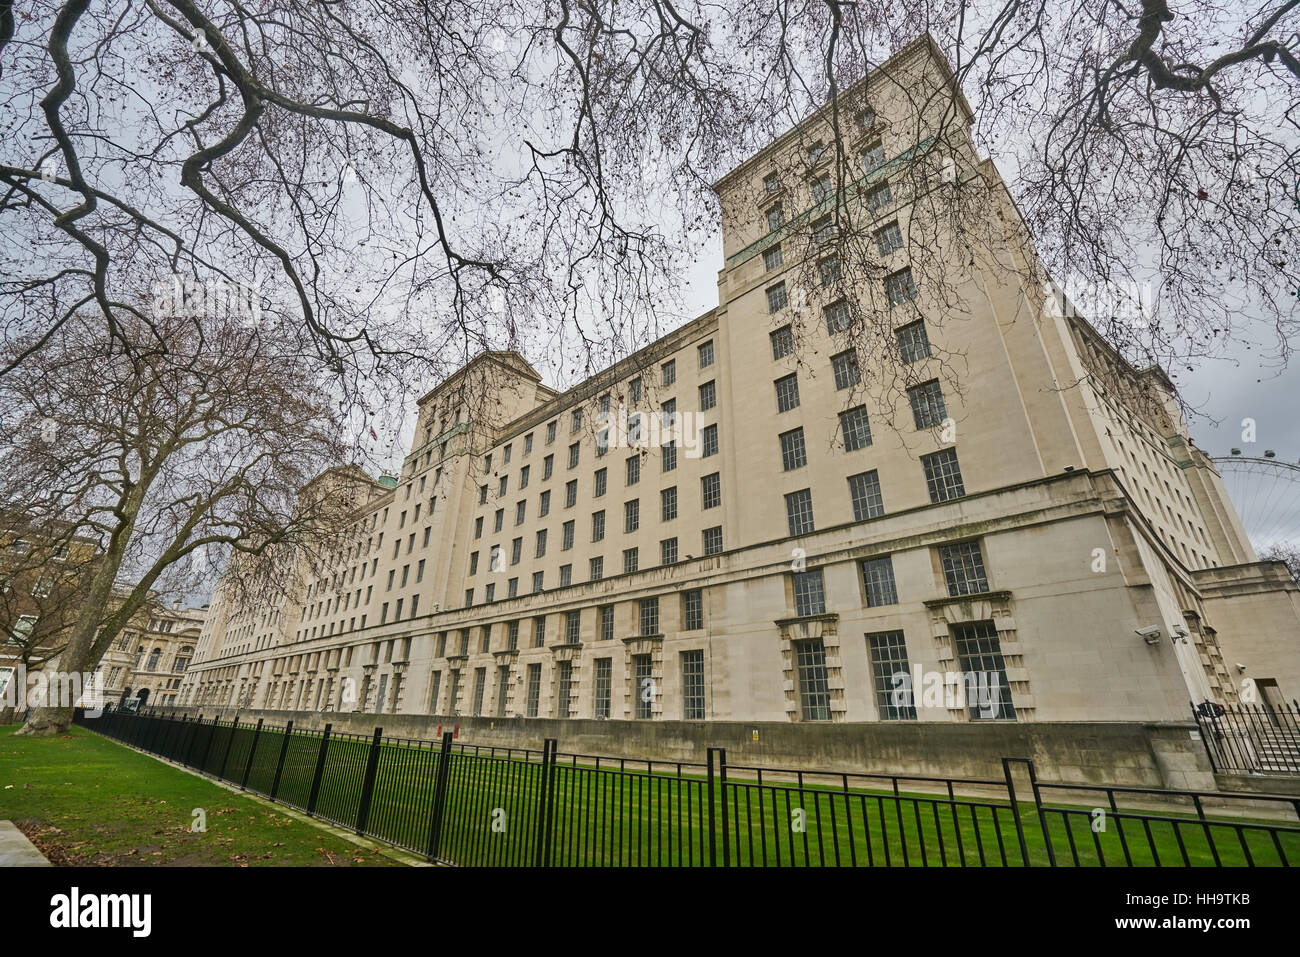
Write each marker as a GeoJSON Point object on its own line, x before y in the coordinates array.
{"type": "Point", "coordinates": [1256, 739]}
{"type": "Point", "coordinates": [490, 806]}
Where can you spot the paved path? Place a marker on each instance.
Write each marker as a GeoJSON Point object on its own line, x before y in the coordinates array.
{"type": "Point", "coordinates": [16, 850]}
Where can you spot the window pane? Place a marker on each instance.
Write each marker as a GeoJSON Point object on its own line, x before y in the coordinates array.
{"type": "Point", "coordinates": [943, 475]}
{"type": "Point", "coordinates": [878, 578]}
{"type": "Point", "coordinates": [814, 690]}
{"type": "Point", "coordinates": [988, 693]}
{"type": "Point", "coordinates": [892, 677]}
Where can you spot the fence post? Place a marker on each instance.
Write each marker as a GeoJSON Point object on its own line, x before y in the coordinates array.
{"type": "Point", "coordinates": [439, 798]}
{"type": "Point", "coordinates": [320, 770]}
{"type": "Point", "coordinates": [368, 786]}
{"type": "Point", "coordinates": [542, 849]}
{"type": "Point", "coordinates": [1042, 815]}
{"type": "Point", "coordinates": [279, 766]}
{"type": "Point", "coordinates": [1015, 809]}
{"type": "Point", "coordinates": [252, 750]}
{"type": "Point", "coordinates": [230, 743]}
{"type": "Point", "coordinates": [207, 748]}
{"type": "Point", "coordinates": [722, 792]}
{"type": "Point", "coordinates": [713, 849]}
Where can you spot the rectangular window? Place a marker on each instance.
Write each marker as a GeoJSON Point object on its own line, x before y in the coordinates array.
{"type": "Point", "coordinates": [512, 635]}
{"type": "Point", "coordinates": [668, 372]}
{"type": "Point", "coordinates": [649, 616]}
{"type": "Point", "coordinates": [566, 542]}
{"type": "Point", "coordinates": [855, 428]}
{"type": "Point", "coordinates": [566, 576]}
{"type": "Point", "coordinates": [534, 689]}
{"type": "Point", "coordinates": [873, 155]}
{"type": "Point", "coordinates": [708, 395]}
{"type": "Point", "coordinates": [634, 389]}
{"type": "Point", "coordinates": [772, 258]}
{"type": "Point", "coordinates": [693, 610]}
{"type": "Point", "coordinates": [782, 342]}
{"type": "Point", "coordinates": [480, 682]}
{"type": "Point", "coordinates": [928, 409]}
{"type": "Point", "coordinates": [787, 392]}
{"type": "Point", "coordinates": [512, 588]}
{"type": "Point", "coordinates": [634, 470]}
{"type": "Point", "coordinates": [499, 520]}
{"type": "Point", "coordinates": [775, 217]}
{"type": "Point", "coordinates": [606, 622]}
{"type": "Point", "coordinates": [713, 540]}
{"type": "Point", "coordinates": [630, 561]}
{"type": "Point", "coordinates": [814, 688]}
{"type": "Point", "coordinates": [575, 420]}
{"type": "Point", "coordinates": [643, 686]}
{"type": "Point", "coordinates": [521, 508]}
{"type": "Point", "coordinates": [668, 504]}
{"type": "Point", "coordinates": [632, 515]}
{"type": "Point", "coordinates": [528, 443]}
{"type": "Point", "coordinates": [821, 188]}
{"type": "Point", "coordinates": [538, 578]}
{"type": "Point", "coordinates": [899, 286]}
{"type": "Point", "coordinates": [864, 492]}
{"type": "Point", "coordinates": [878, 197]}
{"type": "Point", "coordinates": [574, 452]}
{"type": "Point", "coordinates": [572, 627]}
{"type": "Point", "coordinates": [845, 367]}
{"type": "Point", "coordinates": [823, 229]}
{"type": "Point", "coordinates": [668, 551]}
{"type": "Point", "coordinates": [793, 455]}
{"type": "Point", "coordinates": [503, 680]}
{"type": "Point", "coordinates": [693, 685]}
{"type": "Point", "coordinates": [516, 551]}
{"type": "Point", "coordinates": [564, 688]}
{"type": "Point", "coordinates": [878, 580]}
{"type": "Point", "coordinates": [710, 441]}
{"type": "Point", "coordinates": [963, 568]}
{"type": "Point", "coordinates": [799, 512]}
{"type": "Point", "coordinates": [988, 693]}
{"type": "Point", "coordinates": [602, 480]}
{"type": "Point", "coordinates": [596, 569]}
{"type": "Point", "coordinates": [829, 270]}
{"type": "Point", "coordinates": [548, 466]}
{"type": "Point", "coordinates": [913, 343]}
{"type": "Point", "coordinates": [711, 490]}
{"type": "Point", "coordinates": [505, 485]}
{"type": "Point", "coordinates": [435, 685]}
{"type": "Point", "coordinates": [889, 238]}
{"type": "Point", "coordinates": [523, 478]}
{"type": "Point", "coordinates": [776, 297]}
{"type": "Point", "coordinates": [570, 493]}
{"type": "Point", "coordinates": [669, 456]}
{"type": "Point", "coordinates": [550, 431]}
{"type": "Point", "coordinates": [837, 317]}
{"type": "Point", "coordinates": [603, 674]}
{"type": "Point", "coordinates": [453, 693]}
{"type": "Point", "coordinates": [892, 677]}
{"type": "Point", "coordinates": [772, 182]}
{"type": "Point", "coordinates": [809, 593]}
{"type": "Point", "coordinates": [598, 525]}
{"type": "Point", "coordinates": [544, 504]}
{"type": "Point", "coordinates": [943, 475]}
{"type": "Point", "coordinates": [539, 631]}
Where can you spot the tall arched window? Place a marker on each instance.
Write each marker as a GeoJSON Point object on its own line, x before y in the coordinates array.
{"type": "Point", "coordinates": [153, 659]}
{"type": "Point", "coordinates": [139, 653]}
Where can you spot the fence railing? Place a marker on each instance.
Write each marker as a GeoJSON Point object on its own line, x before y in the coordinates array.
{"type": "Point", "coordinates": [1256, 739]}
{"type": "Point", "coordinates": [491, 806]}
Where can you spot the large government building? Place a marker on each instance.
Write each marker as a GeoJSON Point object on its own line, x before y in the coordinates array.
{"type": "Point", "coordinates": [851, 492]}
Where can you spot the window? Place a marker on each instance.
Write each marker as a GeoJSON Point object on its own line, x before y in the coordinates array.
{"type": "Point", "coordinates": [520, 508]}
{"type": "Point", "coordinates": [516, 551]}
{"type": "Point", "coordinates": [776, 297]}
{"type": "Point", "coordinates": [548, 466]}
{"type": "Point", "coordinates": [787, 392]}
{"type": "Point", "coordinates": [943, 475]}
{"type": "Point", "coordinates": [566, 537]}
{"type": "Point", "coordinates": [799, 512]}
{"type": "Point", "coordinates": [564, 688]}
{"type": "Point", "coordinates": [775, 217]}
{"type": "Point", "coordinates": [837, 317]}
{"type": "Point", "coordinates": [634, 470]}
{"type": "Point", "coordinates": [602, 480]}
{"type": "Point", "coordinates": [878, 197]}
{"type": "Point", "coordinates": [534, 689]}
{"type": "Point", "coordinates": [550, 431]}
{"type": "Point", "coordinates": [782, 342]}
{"type": "Point", "coordinates": [668, 504]}
{"type": "Point", "coordinates": [575, 420]}
{"type": "Point", "coordinates": [505, 485]}
{"type": "Point", "coordinates": [878, 580]}
{"type": "Point", "coordinates": [873, 155]}
{"type": "Point", "coordinates": [632, 515]}
{"type": "Point", "coordinates": [598, 525]}
{"type": "Point", "coordinates": [649, 616]}
{"type": "Point", "coordinates": [772, 182]}
{"type": "Point", "coordinates": [928, 409]}
{"type": "Point", "coordinates": [435, 685]}
{"type": "Point", "coordinates": [829, 270]}
{"type": "Point", "coordinates": [643, 689]}
{"type": "Point", "coordinates": [823, 229]}
{"type": "Point", "coordinates": [499, 519]}
{"type": "Point", "coordinates": [710, 441]}
{"type": "Point", "coordinates": [693, 685]}
{"type": "Point", "coordinates": [793, 455]}
{"type": "Point", "coordinates": [988, 693]}
{"type": "Point", "coordinates": [528, 443]}
{"type": "Point", "coordinates": [544, 504]}
{"type": "Point", "coordinates": [713, 540]}
{"type": "Point", "coordinates": [865, 119]}
{"type": "Point", "coordinates": [597, 569]}
{"type": "Point", "coordinates": [503, 688]}
{"type": "Point", "coordinates": [600, 708]}
{"type": "Point", "coordinates": [845, 367]}
{"type": "Point", "coordinates": [816, 153]}
{"type": "Point", "coordinates": [668, 456]}
{"type": "Point", "coordinates": [512, 635]}
{"type": "Point", "coordinates": [809, 593]}
{"type": "Point", "coordinates": [668, 372]}
{"type": "Point", "coordinates": [814, 689]}
{"type": "Point", "coordinates": [892, 677]}
{"type": "Point", "coordinates": [538, 578]}
{"type": "Point", "coordinates": [668, 551]}
{"type": "Point", "coordinates": [899, 286]}
{"type": "Point", "coordinates": [634, 388]}
{"type": "Point", "coordinates": [473, 563]}
{"type": "Point", "coordinates": [523, 478]}
{"type": "Point", "coordinates": [693, 610]}
{"type": "Point", "coordinates": [889, 238]}
{"type": "Point", "coordinates": [772, 257]}
{"type": "Point", "coordinates": [855, 428]}
{"type": "Point", "coordinates": [512, 588]}
{"type": "Point", "coordinates": [570, 493]}
{"type": "Point", "coordinates": [821, 188]}
{"type": "Point", "coordinates": [572, 627]}
{"type": "Point", "coordinates": [539, 631]}
{"type": "Point", "coordinates": [913, 343]}
{"type": "Point", "coordinates": [629, 560]}
{"type": "Point", "coordinates": [574, 451]}
{"type": "Point", "coordinates": [566, 576]}
{"type": "Point", "coordinates": [668, 413]}
{"type": "Point", "coordinates": [864, 492]}
{"type": "Point", "coordinates": [963, 568]}
{"type": "Point", "coordinates": [480, 682]}
{"type": "Point", "coordinates": [708, 396]}
{"type": "Point", "coordinates": [606, 622]}
{"type": "Point", "coordinates": [711, 490]}
{"type": "Point", "coordinates": [482, 494]}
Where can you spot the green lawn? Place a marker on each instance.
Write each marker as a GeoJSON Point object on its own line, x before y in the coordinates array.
{"type": "Point", "coordinates": [83, 799]}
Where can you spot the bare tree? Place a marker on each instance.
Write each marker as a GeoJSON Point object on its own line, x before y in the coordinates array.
{"type": "Point", "coordinates": [160, 441]}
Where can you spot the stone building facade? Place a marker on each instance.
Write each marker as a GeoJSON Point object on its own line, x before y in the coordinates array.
{"type": "Point", "coordinates": [781, 507]}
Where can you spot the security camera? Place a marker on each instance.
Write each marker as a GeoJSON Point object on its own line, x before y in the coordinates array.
{"type": "Point", "coordinates": [1240, 666]}
{"type": "Point", "coordinates": [1150, 635]}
